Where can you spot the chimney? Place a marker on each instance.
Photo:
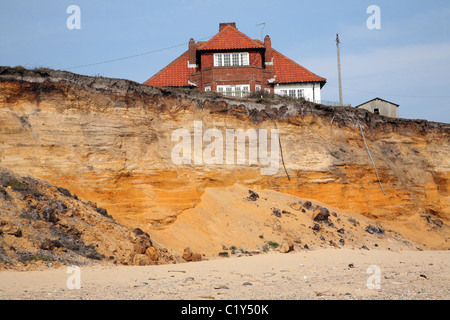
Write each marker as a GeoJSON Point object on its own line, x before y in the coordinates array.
{"type": "Point", "coordinates": [224, 24]}
{"type": "Point", "coordinates": [268, 45]}
{"type": "Point", "coordinates": [192, 52]}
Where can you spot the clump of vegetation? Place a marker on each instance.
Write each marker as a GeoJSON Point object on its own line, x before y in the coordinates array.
{"type": "Point", "coordinates": [40, 258]}
{"type": "Point", "coordinates": [22, 187]}
{"type": "Point", "coordinates": [16, 185]}
{"type": "Point", "coordinates": [262, 95]}
{"type": "Point", "coordinates": [42, 69]}
{"type": "Point", "coordinates": [272, 244]}
{"type": "Point", "coordinates": [104, 213]}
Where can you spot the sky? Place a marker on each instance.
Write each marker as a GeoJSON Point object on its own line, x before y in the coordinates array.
{"type": "Point", "coordinates": [405, 61]}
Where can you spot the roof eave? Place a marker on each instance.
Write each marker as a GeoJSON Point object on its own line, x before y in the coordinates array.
{"type": "Point", "coordinates": [397, 105]}
{"type": "Point", "coordinates": [321, 82]}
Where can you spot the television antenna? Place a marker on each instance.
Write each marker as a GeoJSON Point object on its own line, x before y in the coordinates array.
{"type": "Point", "coordinates": [262, 30]}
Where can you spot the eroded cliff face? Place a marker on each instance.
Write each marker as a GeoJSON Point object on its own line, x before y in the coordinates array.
{"type": "Point", "coordinates": [42, 225]}
{"type": "Point", "coordinates": [110, 141]}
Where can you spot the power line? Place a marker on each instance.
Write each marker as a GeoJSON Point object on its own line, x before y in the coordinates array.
{"type": "Point", "coordinates": [390, 94]}
{"type": "Point", "coordinates": [362, 91]}
{"type": "Point", "coordinates": [132, 56]}
{"type": "Point", "coordinates": [124, 58]}
{"type": "Point", "coordinates": [186, 43]}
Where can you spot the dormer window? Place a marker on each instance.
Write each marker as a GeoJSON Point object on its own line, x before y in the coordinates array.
{"type": "Point", "coordinates": [231, 59]}
{"type": "Point", "coordinates": [236, 65]}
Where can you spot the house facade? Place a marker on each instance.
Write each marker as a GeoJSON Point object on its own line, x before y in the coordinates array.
{"type": "Point", "coordinates": [381, 107]}
{"type": "Point", "coordinates": [233, 64]}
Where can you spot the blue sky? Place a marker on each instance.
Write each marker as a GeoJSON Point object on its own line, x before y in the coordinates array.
{"type": "Point", "coordinates": [407, 61]}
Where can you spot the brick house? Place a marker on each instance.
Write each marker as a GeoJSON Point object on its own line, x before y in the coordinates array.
{"type": "Point", "coordinates": [234, 64]}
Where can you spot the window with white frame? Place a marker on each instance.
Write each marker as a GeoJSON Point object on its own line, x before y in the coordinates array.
{"type": "Point", "coordinates": [292, 93]}
{"type": "Point", "coordinates": [235, 59]}
{"type": "Point", "coordinates": [208, 88]}
{"type": "Point", "coordinates": [244, 59]}
{"type": "Point", "coordinates": [227, 60]}
{"type": "Point", "coordinates": [218, 60]}
{"type": "Point", "coordinates": [257, 87]}
{"type": "Point", "coordinates": [231, 59]}
{"type": "Point", "coordinates": [234, 90]}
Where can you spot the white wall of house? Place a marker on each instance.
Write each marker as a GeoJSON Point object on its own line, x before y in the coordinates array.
{"type": "Point", "coordinates": [310, 91]}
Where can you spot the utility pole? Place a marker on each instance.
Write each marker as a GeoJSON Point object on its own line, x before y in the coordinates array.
{"type": "Point", "coordinates": [339, 69]}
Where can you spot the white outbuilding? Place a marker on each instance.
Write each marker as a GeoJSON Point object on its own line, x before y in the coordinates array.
{"type": "Point", "coordinates": [381, 107]}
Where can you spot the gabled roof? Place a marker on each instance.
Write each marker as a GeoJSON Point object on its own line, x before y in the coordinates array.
{"type": "Point", "coordinates": [230, 38]}
{"type": "Point", "coordinates": [288, 71]}
{"type": "Point", "coordinates": [174, 75]}
{"type": "Point", "coordinates": [397, 105]}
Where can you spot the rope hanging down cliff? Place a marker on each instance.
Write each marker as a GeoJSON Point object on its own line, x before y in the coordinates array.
{"type": "Point", "coordinates": [370, 156]}
{"type": "Point", "coordinates": [279, 142]}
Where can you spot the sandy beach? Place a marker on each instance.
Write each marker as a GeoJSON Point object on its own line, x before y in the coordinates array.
{"type": "Point", "coordinates": [318, 274]}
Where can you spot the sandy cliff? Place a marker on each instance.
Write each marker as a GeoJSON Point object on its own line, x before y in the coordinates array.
{"type": "Point", "coordinates": [109, 141]}
{"type": "Point", "coordinates": [43, 225]}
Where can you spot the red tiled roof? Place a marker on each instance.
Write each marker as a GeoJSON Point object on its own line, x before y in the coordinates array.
{"type": "Point", "coordinates": [174, 75]}
{"type": "Point", "coordinates": [230, 38]}
{"type": "Point", "coordinates": [288, 71]}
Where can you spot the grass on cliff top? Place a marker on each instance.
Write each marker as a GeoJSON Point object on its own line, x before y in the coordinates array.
{"type": "Point", "coordinates": [39, 69]}
{"type": "Point", "coordinates": [257, 96]}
